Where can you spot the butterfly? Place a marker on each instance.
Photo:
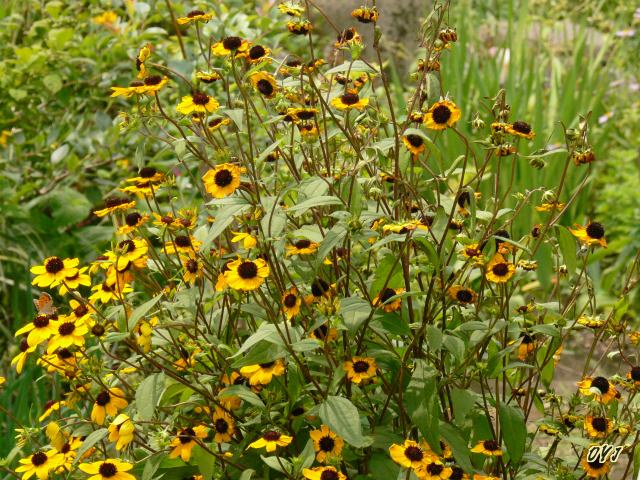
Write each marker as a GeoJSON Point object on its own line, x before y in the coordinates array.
{"type": "Point", "coordinates": [44, 304]}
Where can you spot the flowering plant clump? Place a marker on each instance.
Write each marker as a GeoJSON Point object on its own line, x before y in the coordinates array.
{"type": "Point", "coordinates": [305, 280]}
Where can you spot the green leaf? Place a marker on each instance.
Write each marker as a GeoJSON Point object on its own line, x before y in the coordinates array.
{"type": "Point", "coordinates": [341, 416]}
{"type": "Point", "coordinates": [205, 461]}
{"type": "Point", "coordinates": [151, 465]}
{"type": "Point", "coordinates": [277, 463]}
{"type": "Point", "coordinates": [52, 82]}
{"type": "Point", "coordinates": [320, 201]}
{"type": "Point", "coordinates": [244, 393]}
{"type": "Point", "coordinates": [355, 311]}
{"type": "Point", "coordinates": [142, 310]}
{"type": "Point", "coordinates": [68, 206]}
{"type": "Point", "coordinates": [90, 441]}
{"type": "Point", "coordinates": [568, 248]}
{"type": "Point", "coordinates": [148, 394]}
{"type": "Point", "coordinates": [458, 445]}
{"type": "Point", "coordinates": [422, 402]}
{"type": "Point", "coordinates": [514, 431]}
{"type": "Point", "coordinates": [58, 37]}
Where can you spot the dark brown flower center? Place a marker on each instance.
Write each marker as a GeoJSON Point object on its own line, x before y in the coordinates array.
{"type": "Point", "coordinates": [147, 172]}
{"type": "Point", "coordinates": [64, 354]}
{"type": "Point", "coordinates": [350, 98]}
{"type": "Point", "coordinates": [441, 114]}
{"type": "Point", "coordinates": [267, 365]}
{"type": "Point", "coordinates": [635, 374]}
{"type": "Point", "coordinates": [329, 474]}
{"type": "Point", "coordinates": [39, 458]}
{"type": "Point", "coordinates": [304, 243]}
{"type": "Point", "coordinates": [182, 241]}
{"type": "Point", "coordinates": [319, 287]}
{"type": "Point", "coordinates": [599, 424]}
{"type": "Point", "coordinates": [54, 265]}
{"type": "Point", "coordinates": [107, 469]}
{"type": "Point", "coordinates": [221, 425]}
{"type": "Point", "coordinates": [24, 345]}
{"type": "Point", "coordinates": [200, 98]}
{"type": "Point", "coordinates": [413, 453]}
{"type": "Point", "coordinates": [41, 321]}
{"type": "Point", "coordinates": [306, 114]}
{"type": "Point", "coordinates": [595, 464]}
{"type": "Point", "coordinates": [435, 468]}
{"type": "Point", "coordinates": [195, 13]}
{"type": "Point", "coordinates": [415, 140]}
{"type": "Point", "coordinates": [232, 43]}
{"type": "Point", "coordinates": [106, 287]}
{"type": "Point", "coordinates": [186, 435]}
{"type": "Point", "coordinates": [326, 444]}
{"type": "Point", "coordinates": [65, 448]}
{"type": "Point", "coordinates": [152, 80]}
{"type": "Point", "coordinates": [490, 445]}
{"type": "Point", "coordinates": [290, 300]}
{"type": "Point", "coordinates": [115, 201]}
{"type": "Point", "coordinates": [215, 122]}
{"type": "Point", "coordinates": [132, 219]}
{"type": "Point", "coordinates": [526, 339]}
{"type": "Point", "coordinates": [223, 177]}
{"type": "Point", "coordinates": [347, 35]}
{"type": "Point", "coordinates": [456, 473]}
{"type": "Point", "coordinates": [271, 436]}
{"type": "Point", "coordinates": [97, 330]}
{"type": "Point", "coordinates": [601, 384]}
{"type": "Point", "coordinates": [595, 230]}
{"type": "Point", "coordinates": [521, 127]}
{"type": "Point", "coordinates": [321, 331]}
{"type": "Point", "coordinates": [464, 296]}
{"type": "Point", "coordinates": [386, 294]}
{"type": "Point", "coordinates": [66, 328]}
{"type": "Point", "coordinates": [360, 366]}
{"type": "Point", "coordinates": [191, 266]}
{"type": "Point", "coordinates": [264, 87]}
{"type": "Point", "coordinates": [103, 398]}
{"type": "Point", "coordinates": [500, 269]}
{"type": "Point", "coordinates": [248, 270]}
{"type": "Point", "coordinates": [256, 52]}
{"type": "Point", "coordinates": [136, 83]}
{"type": "Point", "coordinates": [126, 246]}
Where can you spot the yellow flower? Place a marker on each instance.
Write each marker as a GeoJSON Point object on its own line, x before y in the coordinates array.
{"type": "Point", "coordinates": [197, 102]}
{"type": "Point", "coordinates": [520, 129]}
{"type": "Point", "coordinates": [349, 100]}
{"type": "Point", "coordinates": [106, 18]}
{"type": "Point", "coordinates": [597, 427]}
{"type": "Point", "coordinates": [271, 440]}
{"type": "Point", "coordinates": [550, 206]}
{"type": "Point", "coordinates": [229, 45]}
{"type": "Point", "coordinates": [365, 14]}
{"type": "Point", "coordinates": [51, 407]}
{"type": "Point", "coordinates": [382, 299]}
{"type": "Point", "coordinates": [69, 332]}
{"type": "Point", "coordinates": [263, 373]}
{"type": "Point", "coordinates": [223, 426]}
{"type": "Point", "coordinates": [248, 241]}
{"type": "Point", "coordinates": [132, 222]}
{"type": "Point", "coordinates": [291, 302]}
{"type": "Point", "coordinates": [601, 389]}
{"type": "Point", "coordinates": [74, 281]}
{"type": "Point", "coordinates": [594, 468]}
{"type": "Point", "coordinates": [216, 123]}
{"type": "Point", "coordinates": [151, 84]}
{"type": "Point", "coordinates": [414, 143]}
{"type": "Point", "coordinates": [53, 271]}
{"type": "Point", "coordinates": [192, 268]}
{"type": "Point", "coordinates": [409, 454]}
{"type": "Point", "coordinates": [323, 473]}
{"type": "Point", "coordinates": [222, 180]}
{"type": "Point", "coordinates": [121, 431]}
{"type": "Point", "coordinates": [634, 375]}
{"type": "Point", "coordinates": [105, 293]}
{"type": "Point", "coordinates": [144, 330]}
{"type": "Point", "coordinates": [499, 270]}
{"type": "Point", "coordinates": [246, 274]}
{"type": "Point", "coordinates": [462, 294]}
{"type": "Point", "coordinates": [195, 16]}
{"type": "Point", "coordinates": [108, 402]}
{"type": "Point", "coordinates": [591, 322]}
{"type": "Point", "coordinates": [300, 27]}
{"type": "Point", "coordinates": [69, 453]}
{"type": "Point", "coordinates": [186, 244]}
{"type": "Point", "coordinates": [186, 440]}
{"type": "Point", "coordinates": [114, 204]}
{"type": "Point", "coordinates": [433, 469]}
{"type": "Point", "coordinates": [441, 115]}
{"type": "Point", "coordinates": [326, 444]}
{"type": "Point", "coordinates": [490, 448]}
{"type": "Point", "coordinates": [360, 368]}
{"type": "Point", "coordinates": [256, 54]}
{"type": "Point", "coordinates": [291, 9]}
{"type": "Point", "coordinates": [265, 83]}
{"type": "Point", "coordinates": [325, 333]}
{"type": "Point", "coordinates": [347, 37]}
{"type": "Point", "coordinates": [40, 329]}
{"type": "Point", "coordinates": [109, 469]}
{"type": "Point", "coordinates": [40, 464]}
{"type": "Point", "coordinates": [591, 234]}
{"type": "Point", "coordinates": [302, 247]}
